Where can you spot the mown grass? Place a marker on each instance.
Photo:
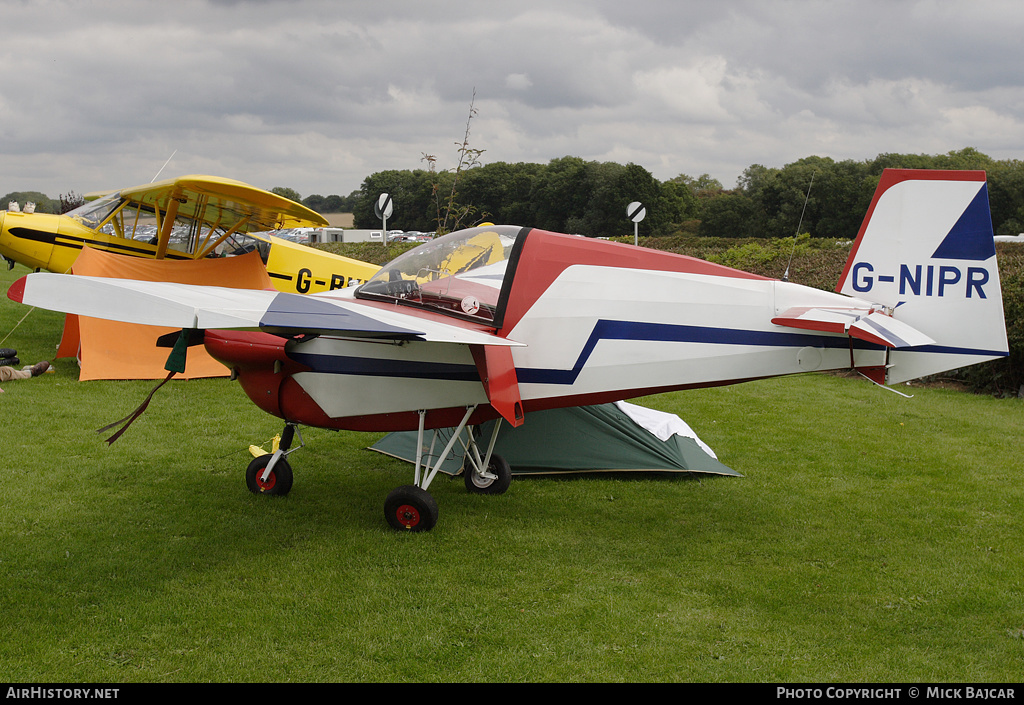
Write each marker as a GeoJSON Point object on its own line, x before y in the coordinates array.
{"type": "Point", "coordinates": [873, 538]}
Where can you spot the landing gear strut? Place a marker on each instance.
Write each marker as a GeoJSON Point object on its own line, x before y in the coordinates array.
{"type": "Point", "coordinates": [409, 507]}
{"type": "Point", "coordinates": [412, 508]}
{"type": "Point", "coordinates": [490, 474]}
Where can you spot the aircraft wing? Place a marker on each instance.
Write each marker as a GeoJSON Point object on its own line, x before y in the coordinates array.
{"type": "Point", "coordinates": [214, 200]}
{"type": "Point", "coordinates": [863, 323]}
{"type": "Point", "coordinates": [202, 307]}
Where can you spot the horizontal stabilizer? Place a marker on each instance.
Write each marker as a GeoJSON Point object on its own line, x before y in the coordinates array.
{"type": "Point", "coordinates": [863, 323]}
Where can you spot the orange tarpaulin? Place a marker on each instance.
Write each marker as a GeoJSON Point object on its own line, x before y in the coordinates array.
{"type": "Point", "coordinates": [113, 350]}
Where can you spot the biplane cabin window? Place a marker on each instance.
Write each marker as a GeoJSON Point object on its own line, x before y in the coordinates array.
{"type": "Point", "coordinates": [129, 219]}
{"type": "Point", "coordinates": [239, 244]}
{"type": "Point", "coordinates": [460, 274]}
{"type": "Point", "coordinates": [94, 213]}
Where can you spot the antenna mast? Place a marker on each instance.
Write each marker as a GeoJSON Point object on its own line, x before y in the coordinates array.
{"type": "Point", "coordinates": [164, 166]}
{"type": "Point", "coordinates": [785, 277]}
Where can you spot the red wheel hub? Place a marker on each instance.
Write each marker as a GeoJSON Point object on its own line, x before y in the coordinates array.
{"type": "Point", "coordinates": [408, 515]}
{"type": "Point", "coordinates": [269, 484]}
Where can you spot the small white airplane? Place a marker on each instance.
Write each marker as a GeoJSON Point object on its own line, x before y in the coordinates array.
{"type": "Point", "coordinates": [501, 321]}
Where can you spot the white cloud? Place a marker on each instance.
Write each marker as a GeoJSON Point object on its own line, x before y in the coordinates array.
{"type": "Point", "coordinates": [518, 81]}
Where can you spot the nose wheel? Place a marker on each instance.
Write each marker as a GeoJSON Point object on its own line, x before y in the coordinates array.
{"type": "Point", "coordinates": [270, 473]}
{"type": "Point", "coordinates": [278, 482]}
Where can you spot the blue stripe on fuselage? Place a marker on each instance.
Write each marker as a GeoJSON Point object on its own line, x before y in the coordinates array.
{"type": "Point", "coordinates": [671, 333]}
{"type": "Point", "coordinates": [603, 330]}
{"type": "Point", "coordinates": [377, 367]}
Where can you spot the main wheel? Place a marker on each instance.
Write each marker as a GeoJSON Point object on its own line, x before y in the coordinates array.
{"type": "Point", "coordinates": [410, 508]}
{"type": "Point", "coordinates": [478, 484]}
{"type": "Point", "coordinates": [279, 482]}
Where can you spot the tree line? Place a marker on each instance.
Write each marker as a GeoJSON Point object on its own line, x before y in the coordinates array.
{"type": "Point", "coordinates": [567, 194]}
{"type": "Point", "coordinates": [817, 195]}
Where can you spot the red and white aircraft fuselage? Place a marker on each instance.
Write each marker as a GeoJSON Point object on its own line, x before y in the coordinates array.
{"type": "Point", "coordinates": [502, 321]}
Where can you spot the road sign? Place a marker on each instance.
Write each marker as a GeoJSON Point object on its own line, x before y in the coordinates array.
{"type": "Point", "coordinates": [636, 211]}
{"type": "Point", "coordinates": [384, 206]}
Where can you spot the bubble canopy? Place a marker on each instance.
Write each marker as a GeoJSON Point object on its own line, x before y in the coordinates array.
{"type": "Point", "coordinates": [461, 274]}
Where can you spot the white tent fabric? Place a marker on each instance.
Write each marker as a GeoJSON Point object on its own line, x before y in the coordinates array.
{"type": "Point", "coordinates": [662, 424]}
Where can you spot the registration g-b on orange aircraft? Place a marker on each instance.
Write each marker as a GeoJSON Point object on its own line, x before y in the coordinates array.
{"type": "Point", "coordinates": [190, 217]}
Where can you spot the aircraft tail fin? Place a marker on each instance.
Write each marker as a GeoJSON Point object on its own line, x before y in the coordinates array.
{"type": "Point", "coordinates": [926, 252]}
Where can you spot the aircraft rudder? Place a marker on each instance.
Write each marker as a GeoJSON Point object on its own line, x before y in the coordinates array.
{"type": "Point", "coordinates": [926, 252]}
{"type": "Point", "coordinates": [901, 205]}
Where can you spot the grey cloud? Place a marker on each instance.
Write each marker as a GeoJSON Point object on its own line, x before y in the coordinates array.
{"type": "Point", "coordinates": [316, 94]}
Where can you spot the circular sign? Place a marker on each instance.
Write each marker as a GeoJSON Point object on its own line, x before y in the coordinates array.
{"type": "Point", "coordinates": [384, 206]}
{"type": "Point", "coordinates": [470, 305]}
{"type": "Point", "coordinates": [636, 211]}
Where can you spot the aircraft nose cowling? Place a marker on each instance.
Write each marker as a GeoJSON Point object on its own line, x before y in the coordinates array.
{"type": "Point", "coordinates": [28, 238]}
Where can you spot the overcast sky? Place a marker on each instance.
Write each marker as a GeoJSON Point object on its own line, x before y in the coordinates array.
{"type": "Point", "coordinates": [317, 94]}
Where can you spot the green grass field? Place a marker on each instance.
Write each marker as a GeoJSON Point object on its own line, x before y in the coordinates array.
{"type": "Point", "coordinates": [873, 538]}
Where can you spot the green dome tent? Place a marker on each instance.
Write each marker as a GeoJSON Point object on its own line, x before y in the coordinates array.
{"type": "Point", "coordinates": [617, 437]}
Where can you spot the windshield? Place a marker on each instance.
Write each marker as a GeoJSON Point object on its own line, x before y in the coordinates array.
{"type": "Point", "coordinates": [93, 213]}
{"type": "Point", "coordinates": [460, 274]}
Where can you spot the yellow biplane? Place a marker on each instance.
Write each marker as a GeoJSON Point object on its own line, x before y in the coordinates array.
{"type": "Point", "coordinates": [187, 218]}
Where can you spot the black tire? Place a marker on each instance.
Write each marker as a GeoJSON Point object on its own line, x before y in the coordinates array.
{"type": "Point", "coordinates": [482, 485]}
{"type": "Point", "coordinates": [409, 508]}
{"type": "Point", "coordinates": [279, 482]}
